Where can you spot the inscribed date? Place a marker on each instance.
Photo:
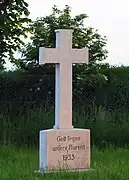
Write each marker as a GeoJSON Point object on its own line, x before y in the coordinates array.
{"type": "Point", "coordinates": [68, 157]}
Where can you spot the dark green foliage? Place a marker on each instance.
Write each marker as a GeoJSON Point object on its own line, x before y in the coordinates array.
{"type": "Point", "coordinates": [117, 88]}
{"type": "Point", "coordinates": [43, 34]}
{"type": "Point", "coordinates": [13, 24]}
{"type": "Point", "coordinates": [100, 92]}
{"type": "Point", "coordinates": [27, 105]}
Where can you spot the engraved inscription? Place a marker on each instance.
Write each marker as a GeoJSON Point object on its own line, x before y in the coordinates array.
{"type": "Point", "coordinates": [68, 147]}
{"type": "Point", "coordinates": [68, 139]}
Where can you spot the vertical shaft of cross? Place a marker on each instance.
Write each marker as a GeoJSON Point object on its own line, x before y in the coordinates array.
{"type": "Point", "coordinates": [63, 96]}
{"type": "Point", "coordinates": [63, 56]}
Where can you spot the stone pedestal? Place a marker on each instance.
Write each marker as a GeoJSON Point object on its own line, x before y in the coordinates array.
{"type": "Point", "coordinates": [64, 149]}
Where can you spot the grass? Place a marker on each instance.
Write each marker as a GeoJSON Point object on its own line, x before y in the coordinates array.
{"type": "Point", "coordinates": [22, 128]}
{"type": "Point", "coordinates": [20, 164]}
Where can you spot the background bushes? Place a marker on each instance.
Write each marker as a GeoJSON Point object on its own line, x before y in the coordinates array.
{"type": "Point", "coordinates": [101, 104]}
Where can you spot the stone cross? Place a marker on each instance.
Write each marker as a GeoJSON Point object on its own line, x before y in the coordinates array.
{"type": "Point", "coordinates": [63, 56]}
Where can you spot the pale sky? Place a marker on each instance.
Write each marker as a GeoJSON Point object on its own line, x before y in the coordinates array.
{"type": "Point", "coordinates": [110, 17]}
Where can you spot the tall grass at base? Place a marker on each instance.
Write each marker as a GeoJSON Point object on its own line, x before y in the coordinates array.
{"type": "Point", "coordinates": [108, 164]}
{"type": "Point", "coordinates": [106, 129]}
{"type": "Point", "coordinates": [23, 128]}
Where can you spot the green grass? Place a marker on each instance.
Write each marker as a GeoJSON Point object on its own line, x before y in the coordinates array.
{"type": "Point", "coordinates": [20, 164]}
{"type": "Point", "coordinates": [22, 128]}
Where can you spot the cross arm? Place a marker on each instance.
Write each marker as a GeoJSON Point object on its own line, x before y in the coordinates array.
{"type": "Point", "coordinates": [48, 55]}
{"type": "Point", "coordinates": [80, 55]}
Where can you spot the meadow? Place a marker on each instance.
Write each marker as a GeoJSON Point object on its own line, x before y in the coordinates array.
{"type": "Point", "coordinates": [20, 154]}
{"type": "Point", "coordinates": [21, 163]}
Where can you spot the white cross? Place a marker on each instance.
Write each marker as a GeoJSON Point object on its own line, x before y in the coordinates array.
{"type": "Point", "coordinates": [63, 56]}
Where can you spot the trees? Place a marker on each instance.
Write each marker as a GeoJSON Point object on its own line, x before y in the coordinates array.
{"type": "Point", "coordinates": [43, 35]}
{"type": "Point", "coordinates": [13, 24]}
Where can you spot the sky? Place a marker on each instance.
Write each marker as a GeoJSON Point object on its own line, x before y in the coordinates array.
{"type": "Point", "coordinates": [110, 17]}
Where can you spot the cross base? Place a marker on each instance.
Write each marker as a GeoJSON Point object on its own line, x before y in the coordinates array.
{"type": "Point", "coordinates": [64, 149]}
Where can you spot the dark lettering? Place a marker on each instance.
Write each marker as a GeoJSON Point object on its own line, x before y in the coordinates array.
{"type": "Point", "coordinates": [68, 157]}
